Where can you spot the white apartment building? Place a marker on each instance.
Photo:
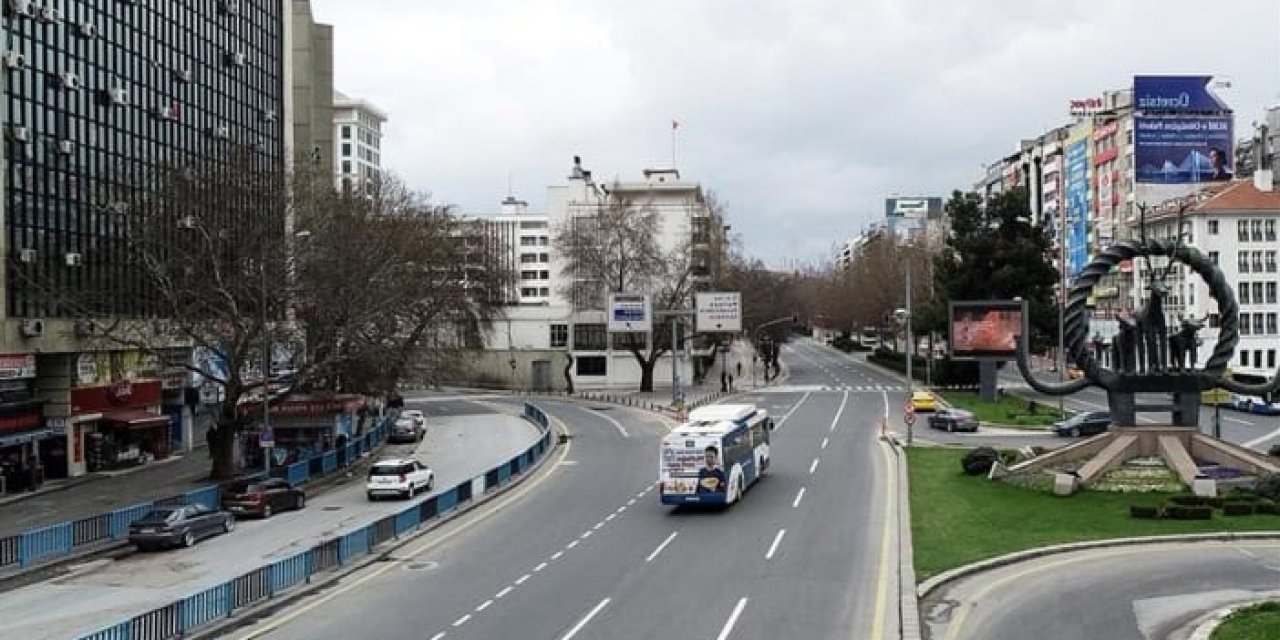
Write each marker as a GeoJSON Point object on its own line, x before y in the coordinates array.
{"type": "Point", "coordinates": [357, 133]}
{"type": "Point", "coordinates": [526, 238]}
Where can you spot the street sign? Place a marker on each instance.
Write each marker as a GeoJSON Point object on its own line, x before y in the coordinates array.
{"type": "Point", "coordinates": [909, 418]}
{"type": "Point", "coordinates": [267, 439]}
{"type": "Point", "coordinates": [630, 312]}
{"type": "Point", "coordinates": [718, 312]}
{"type": "Point", "coordinates": [908, 407]}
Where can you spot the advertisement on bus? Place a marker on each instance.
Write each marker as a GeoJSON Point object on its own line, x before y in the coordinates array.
{"type": "Point", "coordinates": [693, 470]}
{"type": "Point", "coordinates": [987, 329]}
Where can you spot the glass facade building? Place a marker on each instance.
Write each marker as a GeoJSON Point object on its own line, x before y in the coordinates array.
{"type": "Point", "coordinates": [103, 100]}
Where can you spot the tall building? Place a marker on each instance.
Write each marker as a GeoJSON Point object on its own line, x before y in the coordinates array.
{"type": "Point", "coordinates": [523, 240]}
{"type": "Point", "coordinates": [98, 95]}
{"type": "Point", "coordinates": [312, 77]}
{"type": "Point", "coordinates": [357, 126]}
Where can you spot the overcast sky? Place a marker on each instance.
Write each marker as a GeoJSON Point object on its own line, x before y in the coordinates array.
{"type": "Point", "coordinates": [804, 114]}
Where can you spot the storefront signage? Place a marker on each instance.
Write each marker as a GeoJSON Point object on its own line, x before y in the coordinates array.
{"type": "Point", "coordinates": [22, 365]}
{"type": "Point", "coordinates": [174, 379]}
{"type": "Point", "coordinates": [57, 425]}
{"type": "Point", "coordinates": [142, 393]}
{"type": "Point", "coordinates": [1084, 107]}
{"type": "Point", "coordinates": [102, 367]}
{"type": "Point", "coordinates": [315, 407]}
{"type": "Point", "coordinates": [20, 422]}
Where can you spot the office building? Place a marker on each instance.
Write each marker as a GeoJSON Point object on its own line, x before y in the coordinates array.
{"type": "Point", "coordinates": [357, 126]}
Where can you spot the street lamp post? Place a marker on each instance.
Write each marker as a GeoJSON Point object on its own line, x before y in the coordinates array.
{"type": "Point", "coordinates": [1062, 305]}
{"type": "Point", "coordinates": [910, 351]}
{"type": "Point", "coordinates": [266, 368]}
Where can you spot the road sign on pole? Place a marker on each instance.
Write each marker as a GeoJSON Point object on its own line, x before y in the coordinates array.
{"type": "Point", "coordinates": [909, 418]}
{"type": "Point", "coordinates": [267, 439]}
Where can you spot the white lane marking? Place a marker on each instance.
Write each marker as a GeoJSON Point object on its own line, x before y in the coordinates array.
{"type": "Point", "coordinates": [587, 618]}
{"type": "Point", "coordinates": [540, 567]}
{"type": "Point", "coordinates": [598, 525]}
{"type": "Point", "coordinates": [629, 503]}
{"type": "Point", "coordinates": [610, 517]}
{"type": "Point", "coordinates": [586, 534]}
{"type": "Point", "coordinates": [641, 494]}
{"type": "Point", "coordinates": [523, 579]}
{"type": "Point", "coordinates": [505, 591]}
{"type": "Point", "coordinates": [884, 395]}
{"type": "Point", "coordinates": [461, 621]}
{"type": "Point", "coordinates": [1257, 441]}
{"type": "Point", "coordinates": [799, 494]}
{"type": "Point", "coordinates": [557, 555]}
{"type": "Point", "coordinates": [778, 425]}
{"type": "Point", "coordinates": [438, 636]}
{"type": "Point", "coordinates": [813, 466]}
{"type": "Point", "coordinates": [836, 420]}
{"type": "Point", "coordinates": [825, 441]}
{"type": "Point", "coordinates": [661, 547]}
{"type": "Point", "coordinates": [1235, 420]}
{"type": "Point", "coordinates": [571, 544]}
{"type": "Point", "coordinates": [617, 425]}
{"type": "Point", "coordinates": [773, 548]}
{"type": "Point", "coordinates": [733, 619]}
{"type": "Point", "coordinates": [484, 605]}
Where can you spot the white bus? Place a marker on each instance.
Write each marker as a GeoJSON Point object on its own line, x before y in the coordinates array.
{"type": "Point", "coordinates": [715, 456]}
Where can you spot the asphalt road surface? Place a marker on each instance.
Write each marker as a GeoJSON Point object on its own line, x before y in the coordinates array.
{"type": "Point", "coordinates": [1125, 593]}
{"type": "Point", "coordinates": [588, 551]}
{"type": "Point", "coordinates": [463, 440]}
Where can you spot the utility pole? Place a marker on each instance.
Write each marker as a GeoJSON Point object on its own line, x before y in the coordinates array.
{"type": "Point", "coordinates": [1062, 304]}
{"type": "Point", "coordinates": [266, 368]}
{"type": "Point", "coordinates": [910, 351]}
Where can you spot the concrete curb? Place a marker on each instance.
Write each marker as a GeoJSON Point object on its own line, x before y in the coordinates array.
{"type": "Point", "coordinates": [908, 604]}
{"type": "Point", "coordinates": [932, 584]}
{"type": "Point", "coordinates": [267, 608]}
{"type": "Point", "coordinates": [1205, 626]}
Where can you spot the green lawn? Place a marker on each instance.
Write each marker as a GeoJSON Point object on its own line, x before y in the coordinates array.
{"type": "Point", "coordinates": [958, 519]}
{"type": "Point", "coordinates": [1009, 410]}
{"type": "Point", "coordinates": [1252, 623]}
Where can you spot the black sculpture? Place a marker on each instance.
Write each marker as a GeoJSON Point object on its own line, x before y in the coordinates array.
{"type": "Point", "coordinates": [1183, 344]}
{"type": "Point", "coordinates": [1155, 330]}
{"type": "Point", "coordinates": [1127, 345]}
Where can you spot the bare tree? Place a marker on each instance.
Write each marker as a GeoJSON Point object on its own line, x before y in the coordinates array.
{"type": "Point", "coordinates": [353, 289]}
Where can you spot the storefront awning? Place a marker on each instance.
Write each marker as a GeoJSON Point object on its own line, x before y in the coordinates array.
{"type": "Point", "coordinates": [134, 419]}
{"type": "Point", "coordinates": [12, 439]}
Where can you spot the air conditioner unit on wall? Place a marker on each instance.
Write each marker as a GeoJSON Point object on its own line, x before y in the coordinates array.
{"type": "Point", "coordinates": [19, 133]}
{"type": "Point", "coordinates": [74, 259]}
{"type": "Point", "coordinates": [66, 147]}
{"type": "Point", "coordinates": [27, 255]}
{"type": "Point", "coordinates": [50, 14]}
{"type": "Point", "coordinates": [235, 59]}
{"type": "Point", "coordinates": [15, 60]}
{"type": "Point", "coordinates": [85, 328]}
{"type": "Point", "coordinates": [21, 8]}
{"type": "Point", "coordinates": [32, 328]}
{"type": "Point", "coordinates": [221, 132]}
{"type": "Point", "coordinates": [117, 95]}
{"type": "Point", "coordinates": [183, 75]}
{"type": "Point", "coordinates": [187, 222]}
{"type": "Point", "coordinates": [229, 7]}
{"type": "Point", "coordinates": [88, 29]}
{"type": "Point", "coordinates": [69, 80]}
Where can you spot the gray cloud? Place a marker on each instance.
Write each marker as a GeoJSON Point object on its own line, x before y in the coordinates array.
{"type": "Point", "coordinates": [804, 115]}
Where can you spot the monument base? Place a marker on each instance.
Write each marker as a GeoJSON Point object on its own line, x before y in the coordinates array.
{"type": "Point", "coordinates": [1179, 447]}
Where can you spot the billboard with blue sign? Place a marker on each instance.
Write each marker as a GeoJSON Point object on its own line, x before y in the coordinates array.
{"type": "Point", "coordinates": [1182, 149]}
{"type": "Point", "coordinates": [1175, 94]}
{"type": "Point", "coordinates": [1077, 194]}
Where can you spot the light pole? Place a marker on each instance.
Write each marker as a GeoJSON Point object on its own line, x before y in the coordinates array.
{"type": "Point", "coordinates": [266, 353]}
{"type": "Point", "coordinates": [910, 351]}
{"type": "Point", "coordinates": [1062, 305]}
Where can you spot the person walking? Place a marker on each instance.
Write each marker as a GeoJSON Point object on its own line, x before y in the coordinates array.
{"type": "Point", "coordinates": [211, 436]}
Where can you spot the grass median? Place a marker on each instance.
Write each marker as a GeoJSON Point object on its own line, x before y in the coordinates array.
{"type": "Point", "coordinates": [1007, 411]}
{"type": "Point", "coordinates": [1251, 623]}
{"type": "Point", "coordinates": [957, 519]}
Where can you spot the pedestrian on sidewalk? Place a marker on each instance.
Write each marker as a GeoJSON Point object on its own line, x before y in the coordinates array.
{"type": "Point", "coordinates": [724, 380]}
{"type": "Point", "coordinates": [739, 368]}
{"type": "Point", "coordinates": [731, 382]}
{"type": "Point", "coordinates": [210, 436]}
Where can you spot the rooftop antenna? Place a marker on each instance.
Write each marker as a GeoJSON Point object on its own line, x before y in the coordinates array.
{"type": "Point", "coordinates": [509, 194]}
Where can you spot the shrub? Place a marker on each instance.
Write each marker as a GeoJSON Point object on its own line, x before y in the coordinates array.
{"type": "Point", "coordinates": [1189, 500]}
{"type": "Point", "coordinates": [1188, 512]}
{"type": "Point", "coordinates": [1268, 485]}
{"type": "Point", "coordinates": [1237, 508]}
{"type": "Point", "coordinates": [1144, 512]}
{"type": "Point", "coordinates": [979, 461]}
{"type": "Point", "coordinates": [1265, 506]}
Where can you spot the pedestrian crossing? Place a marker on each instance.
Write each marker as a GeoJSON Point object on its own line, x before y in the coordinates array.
{"type": "Point", "coordinates": [866, 388]}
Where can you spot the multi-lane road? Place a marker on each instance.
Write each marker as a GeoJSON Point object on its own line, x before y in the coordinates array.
{"type": "Point", "coordinates": [585, 550]}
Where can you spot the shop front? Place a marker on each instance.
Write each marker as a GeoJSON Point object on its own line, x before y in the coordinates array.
{"type": "Point", "coordinates": [118, 425]}
{"type": "Point", "coordinates": [24, 436]}
{"type": "Point", "coordinates": [303, 427]}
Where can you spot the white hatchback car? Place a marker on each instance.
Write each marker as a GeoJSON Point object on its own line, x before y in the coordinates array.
{"type": "Point", "coordinates": [419, 418]}
{"type": "Point", "coordinates": [398, 477]}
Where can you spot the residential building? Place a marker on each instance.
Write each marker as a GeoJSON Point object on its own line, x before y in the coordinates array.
{"type": "Point", "coordinates": [357, 126]}
{"type": "Point", "coordinates": [95, 91]}
{"type": "Point", "coordinates": [523, 240]}
{"type": "Point", "coordinates": [312, 95]}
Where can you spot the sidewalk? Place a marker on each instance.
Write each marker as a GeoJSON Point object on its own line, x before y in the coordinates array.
{"type": "Point", "coordinates": [96, 493]}
{"type": "Point", "coordinates": [739, 353]}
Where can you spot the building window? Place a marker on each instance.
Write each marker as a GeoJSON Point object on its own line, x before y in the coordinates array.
{"type": "Point", "coordinates": [544, 275]}
{"type": "Point", "coordinates": [1244, 358]}
{"type": "Point", "coordinates": [1271, 358]}
{"type": "Point", "coordinates": [1257, 358]}
{"type": "Point", "coordinates": [1271, 231]}
{"type": "Point", "coordinates": [1257, 325]}
{"type": "Point", "coordinates": [528, 258]}
{"type": "Point", "coordinates": [623, 341]}
{"type": "Point", "coordinates": [1271, 262]}
{"type": "Point", "coordinates": [543, 292]}
{"type": "Point", "coordinates": [1271, 324]}
{"type": "Point", "coordinates": [346, 149]}
{"type": "Point", "coordinates": [528, 292]}
{"type": "Point", "coordinates": [528, 275]}
{"type": "Point", "coordinates": [1271, 293]}
{"type": "Point", "coordinates": [559, 336]}
{"type": "Point", "coordinates": [346, 166]}
{"type": "Point", "coordinates": [1242, 230]}
{"type": "Point", "coordinates": [591, 365]}
{"type": "Point", "coordinates": [1243, 262]}
{"type": "Point", "coordinates": [1257, 293]}
{"type": "Point", "coordinates": [589, 337]}
{"type": "Point", "coordinates": [1256, 227]}
{"type": "Point", "coordinates": [528, 241]}
{"type": "Point", "coordinates": [1244, 324]}
{"type": "Point", "coordinates": [1214, 320]}
{"type": "Point", "coordinates": [346, 132]}
{"type": "Point", "coordinates": [542, 257]}
{"type": "Point", "coordinates": [1257, 262]}
{"type": "Point", "coordinates": [1243, 292]}
{"type": "Point", "coordinates": [1213, 257]}
{"type": "Point", "coordinates": [1213, 227]}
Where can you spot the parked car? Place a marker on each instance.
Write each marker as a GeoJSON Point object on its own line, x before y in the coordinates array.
{"type": "Point", "coordinates": [1254, 404]}
{"type": "Point", "coordinates": [923, 401]}
{"type": "Point", "coordinates": [262, 497]}
{"type": "Point", "coordinates": [952, 420]}
{"type": "Point", "coordinates": [1083, 424]}
{"type": "Point", "coordinates": [419, 418]}
{"type": "Point", "coordinates": [398, 477]}
{"type": "Point", "coordinates": [405, 430]}
{"type": "Point", "coordinates": [178, 526]}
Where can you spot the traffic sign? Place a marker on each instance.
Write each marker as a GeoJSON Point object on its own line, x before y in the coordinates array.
{"type": "Point", "coordinates": [909, 407]}
{"type": "Point", "coordinates": [909, 418]}
{"type": "Point", "coordinates": [267, 439]}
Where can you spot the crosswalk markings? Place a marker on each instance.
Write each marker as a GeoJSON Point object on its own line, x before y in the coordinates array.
{"type": "Point", "coordinates": [816, 388]}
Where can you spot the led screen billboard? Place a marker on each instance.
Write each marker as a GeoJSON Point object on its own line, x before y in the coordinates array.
{"type": "Point", "coordinates": [986, 329]}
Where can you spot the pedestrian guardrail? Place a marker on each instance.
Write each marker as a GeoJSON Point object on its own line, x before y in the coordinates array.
{"type": "Point", "coordinates": [48, 542]}
{"type": "Point", "coordinates": [181, 617]}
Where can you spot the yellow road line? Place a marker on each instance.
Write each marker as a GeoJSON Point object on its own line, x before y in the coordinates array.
{"type": "Point", "coordinates": [427, 545]}
{"type": "Point", "coordinates": [886, 544]}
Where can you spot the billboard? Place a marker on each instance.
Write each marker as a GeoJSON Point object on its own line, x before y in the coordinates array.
{"type": "Point", "coordinates": [718, 312]}
{"type": "Point", "coordinates": [986, 329]}
{"type": "Point", "coordinates": [629, 312]}
{"type": "Point", "coordinates": [1182, 149]}
{"type": "Point", "coordinates": [1077, 197]}
{"type": "Point", "coordinates": [1175, 94]}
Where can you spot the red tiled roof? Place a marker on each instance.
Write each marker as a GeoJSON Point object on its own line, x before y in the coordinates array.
{"type": "Point", "coordinates": [1241, 195]}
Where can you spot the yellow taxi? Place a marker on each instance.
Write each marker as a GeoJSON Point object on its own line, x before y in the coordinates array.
{"type": "Point", "coordinates": [923, 401]}
{"type": "Point", "coordinates": [1074, 372]}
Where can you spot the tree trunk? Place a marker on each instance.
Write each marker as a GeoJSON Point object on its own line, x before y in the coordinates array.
{"type": "Point", "coordinates": [224, 463]}
{"type": "Point", "coordinates": [646, 374]}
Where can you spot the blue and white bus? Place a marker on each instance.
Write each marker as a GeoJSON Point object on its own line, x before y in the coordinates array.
{"type": "Point", "coordinates": [714, 456]}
